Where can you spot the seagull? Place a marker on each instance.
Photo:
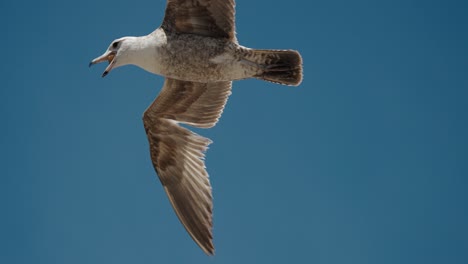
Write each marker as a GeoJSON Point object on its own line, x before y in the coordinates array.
{"type": "Point", "coordinates": [197, 52]}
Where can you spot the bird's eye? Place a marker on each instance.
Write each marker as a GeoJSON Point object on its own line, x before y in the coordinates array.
{"type": "Point", "coordinates": [115, 44]}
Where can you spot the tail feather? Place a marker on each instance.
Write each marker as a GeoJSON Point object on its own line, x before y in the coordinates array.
{"type": "Point", "coordinates": [279, 66]}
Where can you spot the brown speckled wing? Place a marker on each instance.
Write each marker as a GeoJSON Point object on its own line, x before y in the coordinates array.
{"type": "Point", "coordinates": [178, 153]}
{"type": "Point", "coordinates": [210, 18]}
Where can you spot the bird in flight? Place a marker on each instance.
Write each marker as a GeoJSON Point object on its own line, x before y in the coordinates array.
{"type": "Point", "coordinates": [197, 51]}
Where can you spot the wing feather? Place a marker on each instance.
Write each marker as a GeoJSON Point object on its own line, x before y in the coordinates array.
{"type": "Point", "coordinates": [178, 153]}
{"type": "Point", "coordinates": [210, 18]}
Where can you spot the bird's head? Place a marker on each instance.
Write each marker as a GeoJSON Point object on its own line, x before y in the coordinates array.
{"type": "Point", "coordinates": [116, 54]}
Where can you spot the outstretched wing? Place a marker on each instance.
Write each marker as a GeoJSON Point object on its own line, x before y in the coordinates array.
{"type": "Point", "coordinates": [178, 153]}
{"type": "Point", "coordinates": [210, 18]}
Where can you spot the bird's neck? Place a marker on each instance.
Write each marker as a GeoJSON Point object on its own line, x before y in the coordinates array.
{"type": "Point", "coordinates": [143, 52]}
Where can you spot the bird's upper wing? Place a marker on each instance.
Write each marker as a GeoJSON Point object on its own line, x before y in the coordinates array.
{"type": "Point", "coordinates": [178, 153]}
{"type": "Point", "coordinates": [210, 18]}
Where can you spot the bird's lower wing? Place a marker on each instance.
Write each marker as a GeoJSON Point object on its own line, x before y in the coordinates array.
{"type": "Point", "coordinates": [178, 154]}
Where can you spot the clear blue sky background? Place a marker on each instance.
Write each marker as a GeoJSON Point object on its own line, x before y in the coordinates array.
{"type": "Point", "coordinates": [365, 162]}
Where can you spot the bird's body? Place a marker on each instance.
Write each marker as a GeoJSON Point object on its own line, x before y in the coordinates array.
{"type": "Point", "coordinates": [197, 51]}
{"type": "Point", "coordinates": [195, 58]}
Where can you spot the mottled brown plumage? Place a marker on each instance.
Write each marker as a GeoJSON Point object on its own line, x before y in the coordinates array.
{"type": "Point", "coordinates": [209, 18]}
{"type": "Point", "coordinates": [178, 153]}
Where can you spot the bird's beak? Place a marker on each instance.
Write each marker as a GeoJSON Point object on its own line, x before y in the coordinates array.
{"type": "Point", "coordinates": [107, 56]}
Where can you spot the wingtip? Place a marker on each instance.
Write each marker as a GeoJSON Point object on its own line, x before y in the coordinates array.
{"type": "Point", "coordinates": [208, 248]}
{"type": "Point", "coordinates": [209, 251]}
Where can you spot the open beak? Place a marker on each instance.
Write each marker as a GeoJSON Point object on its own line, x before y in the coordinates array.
{"type": "Point", "coordinates": [107, 56]}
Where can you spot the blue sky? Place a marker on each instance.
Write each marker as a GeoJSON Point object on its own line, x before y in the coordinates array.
{"type": "Point", "coordinates": [365, 162]}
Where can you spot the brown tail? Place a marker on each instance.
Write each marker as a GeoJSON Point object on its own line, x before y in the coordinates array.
{"type": "Point", "coordinates": [279, 66]}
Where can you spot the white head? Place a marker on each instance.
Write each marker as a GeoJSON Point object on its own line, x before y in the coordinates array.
{"type": "Point", "coordinates": [117, 54]}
